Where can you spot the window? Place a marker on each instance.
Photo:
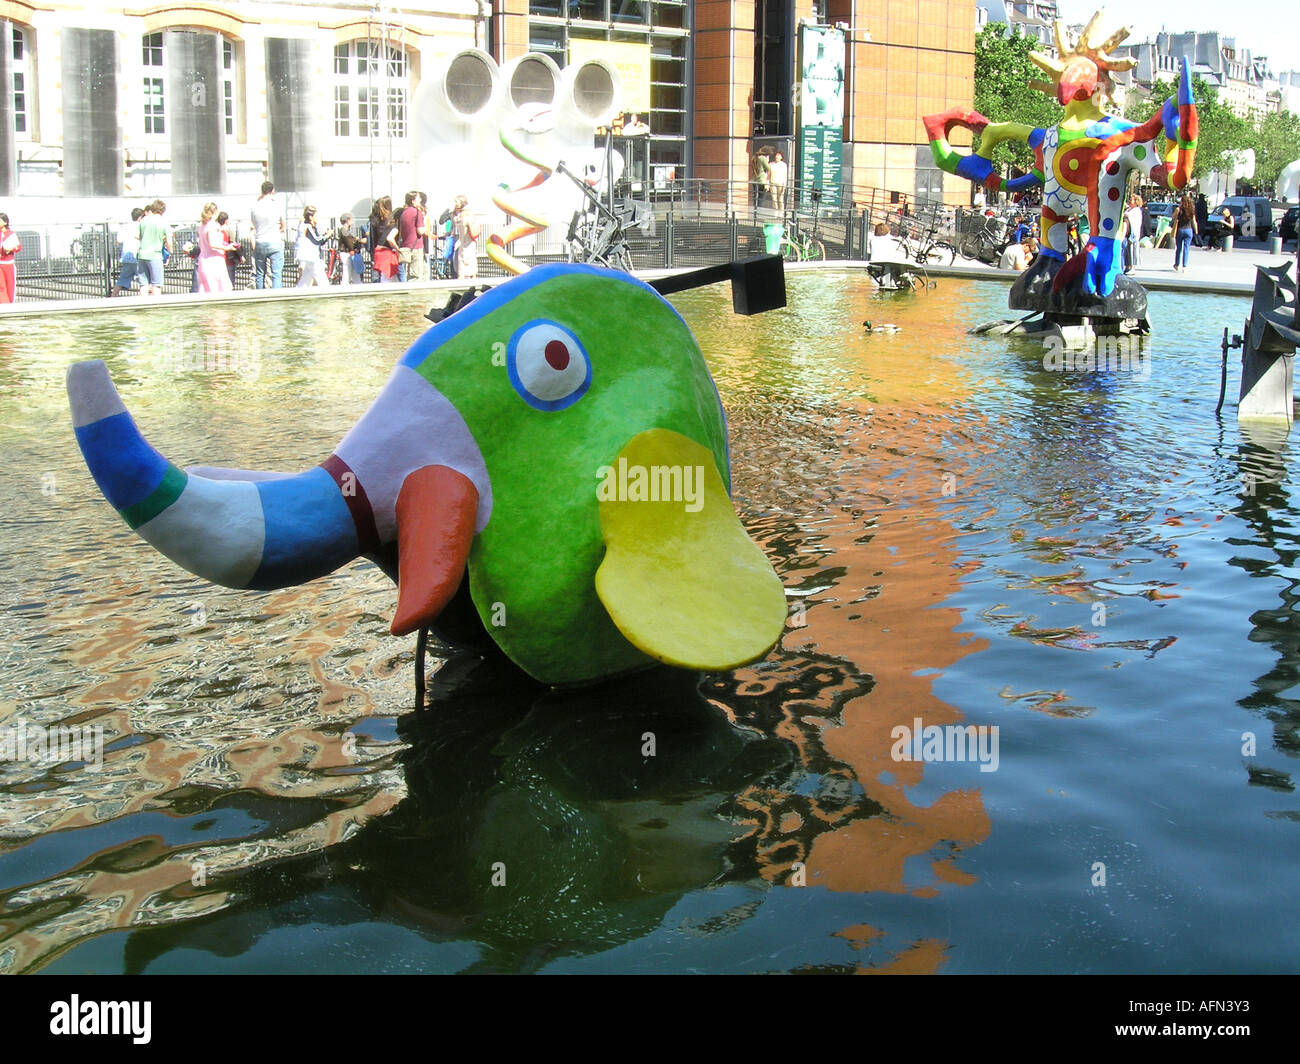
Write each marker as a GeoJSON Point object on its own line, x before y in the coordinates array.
{"type": "Point", "coordinates": [22, 79]}
{"type": "Point", "coordinates": [669, 14]}
{"type": "Point", "coordinates": [228, 85]}
{"type": "Point", "coordinates": [155, 76]}
{"type": "Point", "coordinates": [667, 115]}
{"type": "Point", "coordinates": [372, 88]}
{"type": "Point", "coordinates": [155, 85]}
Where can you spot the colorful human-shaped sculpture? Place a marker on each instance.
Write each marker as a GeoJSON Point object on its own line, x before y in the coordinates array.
{"type": "Point", "coordinates": [552, 457]}
{"type": "Point", "coordinates": [1084, 162]}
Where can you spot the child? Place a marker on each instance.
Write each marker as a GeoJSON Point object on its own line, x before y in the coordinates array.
{"type": "Point", "coordinates": [10, 245]}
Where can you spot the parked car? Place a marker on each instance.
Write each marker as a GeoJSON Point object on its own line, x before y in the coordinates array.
{"type": "Point", "coordinates": [1286, 228]}
{"type": "Point", "coordinates": [1155, 211]}
{"type": "Point", "coordinates": [1260, 210]}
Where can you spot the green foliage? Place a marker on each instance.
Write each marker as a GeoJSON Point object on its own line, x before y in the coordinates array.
{"type": "Point", "coordinates": [1220, 129]}
{"type": "Point", "coordinates": [1277, 143]}
{"type": "Point", "coordinates": [1003, 71]}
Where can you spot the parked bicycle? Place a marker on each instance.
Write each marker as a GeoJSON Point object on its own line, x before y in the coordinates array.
{"type": "Point", "coordinates": [596, 233]}
{"type": "Point", "coordinates": [987, 240]}
{"type": "Point", "coordinates": [803, 247]}
{"type": "Point", "coordinates": [925, 249]}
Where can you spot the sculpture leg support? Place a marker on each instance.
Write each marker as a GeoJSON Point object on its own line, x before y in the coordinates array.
{"type": "Point", "coordinates": [1267, 385]}
{"type": "Point", "coordinates": [421, 641]}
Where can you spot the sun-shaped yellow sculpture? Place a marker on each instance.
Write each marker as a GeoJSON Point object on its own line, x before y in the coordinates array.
{"type": "Point", "coordinates": [1081, 68]}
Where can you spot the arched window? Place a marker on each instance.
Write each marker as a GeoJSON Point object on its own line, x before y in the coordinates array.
{"type": "Point", "coordinates": [155, 84]}
{"type": "Point", "coordinates": [372, 87]}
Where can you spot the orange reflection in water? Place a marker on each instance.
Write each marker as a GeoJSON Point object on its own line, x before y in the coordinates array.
{"type": "Point", "coordinates": [893, 558]}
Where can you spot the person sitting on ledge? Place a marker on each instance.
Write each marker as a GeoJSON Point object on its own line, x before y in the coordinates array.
{"type": "Point", "coordinates": [1019, 256]}
{"type": "Point", "coordinates": [888, 260]}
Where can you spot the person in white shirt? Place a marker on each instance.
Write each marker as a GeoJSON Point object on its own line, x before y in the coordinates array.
{"type": "Point", "coordinates": [888, 261]}
{"type": "Point", "coordinates": [268, 238]}
{"type": "Point", "coordinates": [1132, 233]}
{"type": "Point", "coordinates": [1018, 256]}
{"type": "Point", "coordinates": [129, 237]}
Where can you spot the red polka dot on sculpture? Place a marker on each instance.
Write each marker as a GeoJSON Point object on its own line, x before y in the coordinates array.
{"type": "Point", "coordinates": [1113, 193]}
{"type": "Point", "coordinates": [1112, 168]}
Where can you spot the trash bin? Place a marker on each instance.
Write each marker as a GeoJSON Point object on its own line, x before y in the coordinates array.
{"type": "Point", "coordinates": [1275, 245]}
{"type": "Point", "coordinates": [773, 233]}
{"type": "Point", "coordinates": [1228, 240]}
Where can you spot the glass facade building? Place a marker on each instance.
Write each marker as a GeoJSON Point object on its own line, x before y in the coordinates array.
{"type": "Point", "coordinates": [662, 25]}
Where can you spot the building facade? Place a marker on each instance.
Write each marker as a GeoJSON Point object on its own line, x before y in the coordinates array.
{"type": "Point", "coordinates": [114, 104]}
{"type": "Point", "coordinates": [1031, 18]}
{"type": "Point", "coordinates": [1244, 81]}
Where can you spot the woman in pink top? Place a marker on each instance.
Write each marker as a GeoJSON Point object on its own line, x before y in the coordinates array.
{"type": "Point", "coordinates": [213, 245]}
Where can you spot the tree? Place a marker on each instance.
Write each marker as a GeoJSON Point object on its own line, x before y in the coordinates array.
{"type": "Point", "coordinates": [1220, 129]}
{"type": "Point", "coordinates": [1277, 144]}
{"type": "Point", "coordinates": [1003, 71]}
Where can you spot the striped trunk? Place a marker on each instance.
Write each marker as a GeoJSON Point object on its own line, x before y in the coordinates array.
{"type": "Point", "coordinates": [241, 529]}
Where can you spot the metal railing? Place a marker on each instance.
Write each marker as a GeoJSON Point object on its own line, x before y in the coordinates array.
{"type": "Point", "coordinates": [62, 261]}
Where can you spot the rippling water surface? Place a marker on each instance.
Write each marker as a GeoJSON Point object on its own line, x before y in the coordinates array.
{"type": "Point", "coordinates": [1091, 563]}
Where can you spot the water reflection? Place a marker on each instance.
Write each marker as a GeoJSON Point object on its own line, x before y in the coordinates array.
{"type": "Point", "coordinates": [1263, 459]}
{"type": "Point", "coordinates": [947, 519]}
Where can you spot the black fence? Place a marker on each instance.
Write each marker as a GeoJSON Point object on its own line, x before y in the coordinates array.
{"type": "Point", "coordinates": [60, 262]}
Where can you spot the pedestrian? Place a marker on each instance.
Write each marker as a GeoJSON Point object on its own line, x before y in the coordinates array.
{"type": "Point", "coordinates": [467, 234]}
{"type": "Point", "coordinates": [1202, 217]}
{"type": "Point", "coordinates": [1184, 226]}
{"type": "Point", "coordinates": [10, 245]}
{"type": "Point", "coordinates": [268, 238]}
{"type": "Point", "coordinates": [760, 176]}
{"type": "Point", "coordinates": [397, 221]}
{"type": "Point", "coordinates": [213, 245]}
{"type": "Point", "coordinates": [234, 252]}
{"type": "Point", "coordinates": [448, 228]}
{"type": "Point", "coordinates": [412, 228]}
{"type": "Point", "coordinates": [155, 239]}
{"type": "Point", "coordinates": [383, 240]}
{"type": "Point", "coordinates": [354, 263]}
{"type": "Point", "coordinates": [129, 272]}
{"type": "Point", "coordinates": [311, 267]}
{"type": "Point", "coordinates": [430, 237]}
{"type": "Point", "coordinates": [780, 174]}
{"type": "Point", "coordinates": [1132, 233]}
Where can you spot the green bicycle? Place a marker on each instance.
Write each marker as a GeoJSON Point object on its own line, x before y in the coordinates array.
{"type": "Point", "coordinates": [803, 247]}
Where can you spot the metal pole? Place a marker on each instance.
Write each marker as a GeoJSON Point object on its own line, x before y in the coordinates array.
{"type": "Point", "coordinates": [370, 85]}
{"type": "Point", "coordinates": [108, 260]}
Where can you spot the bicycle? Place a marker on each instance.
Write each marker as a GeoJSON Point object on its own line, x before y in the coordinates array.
{"type": "Point", "coordinates": [441, 266]}
{"type": "Point", "coordinates": [803, 247]}
{"type": "Point", "coordinates": [987, 241]}
{"type": "Point", "coordinates": [596, 233]}
{"type": "Point", "coordinates": [925, 250]}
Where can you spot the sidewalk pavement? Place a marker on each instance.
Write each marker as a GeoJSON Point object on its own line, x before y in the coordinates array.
{"type": "Point", "coordinates": [1230, 272]}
